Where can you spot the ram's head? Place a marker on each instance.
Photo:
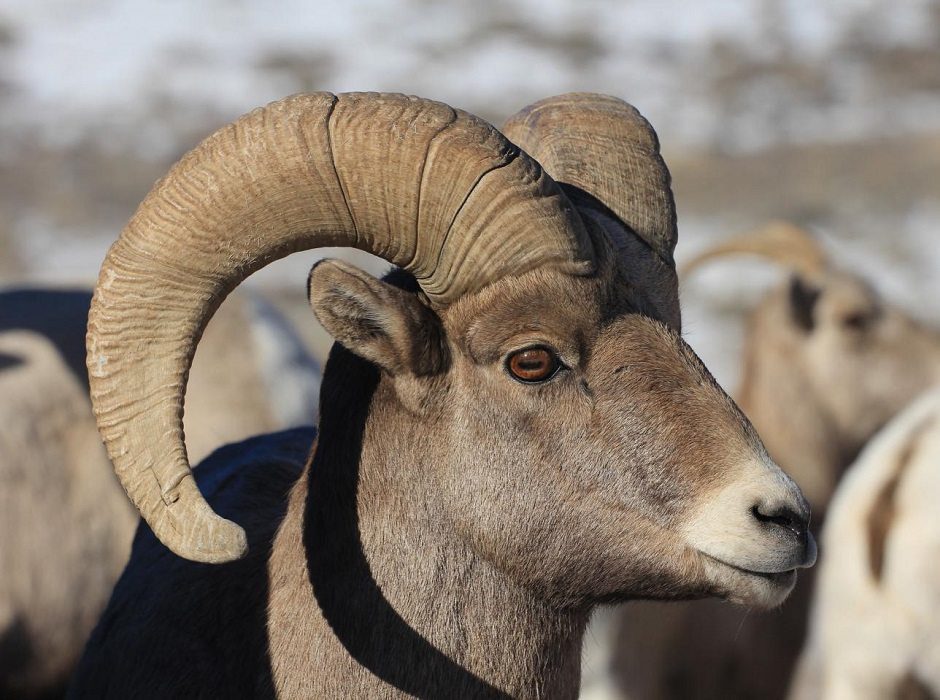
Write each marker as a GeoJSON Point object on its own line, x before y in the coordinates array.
{"type": "Point", "coordinates": [573, 438]}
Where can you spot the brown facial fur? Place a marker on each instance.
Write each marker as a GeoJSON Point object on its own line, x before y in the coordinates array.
{"type": "Point", "coordinates": [631, 435]}
{"type": "Point", "coordinates": [528, 503]}
{"type": "Point", "coordinates": [454, 528]}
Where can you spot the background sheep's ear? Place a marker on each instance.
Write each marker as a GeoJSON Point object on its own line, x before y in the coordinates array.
{"type": "Point", "coordinates": [803, 298]}
{"type": "Point", "coordinates": [382, 323]}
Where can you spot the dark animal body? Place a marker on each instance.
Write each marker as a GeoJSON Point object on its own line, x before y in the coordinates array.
{"type": "Point", "coordinates": [254, 476]}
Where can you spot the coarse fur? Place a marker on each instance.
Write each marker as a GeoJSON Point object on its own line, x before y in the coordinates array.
{"type": "Point", "coordinates": [251, 477]}
{"type": "Point", "coordinates": [65, 523]}
{"type": "Point", "coordinates": [873, 629]}
{"type": "Point", "coordinates": [512, 436]}
{"type": "Point", "coordinates": [826, 362]}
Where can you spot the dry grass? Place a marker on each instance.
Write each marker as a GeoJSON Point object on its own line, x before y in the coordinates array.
{"type": "Point", "coordinates": [812, 182]}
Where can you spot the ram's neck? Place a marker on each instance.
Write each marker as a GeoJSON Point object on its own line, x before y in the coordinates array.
{"type": "Point", "coordinates": [372, 592]}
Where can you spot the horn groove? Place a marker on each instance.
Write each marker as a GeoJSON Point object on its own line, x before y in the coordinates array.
{"type": "Point", "coordinates": [425, 186]}
{"type": "Point", "coordinates": [603, 146]}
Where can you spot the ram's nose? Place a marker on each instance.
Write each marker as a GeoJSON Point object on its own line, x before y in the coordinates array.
{"type": "Point", "coordinates": [758, 522]}
{"type": "Point", "coordinates": [789, 523]}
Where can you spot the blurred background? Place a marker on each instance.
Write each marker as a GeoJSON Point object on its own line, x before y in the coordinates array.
{"type": "Point", "coordinates": [822, 112]}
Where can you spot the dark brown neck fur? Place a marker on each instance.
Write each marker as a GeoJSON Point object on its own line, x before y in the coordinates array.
{"type": "Point", "coordinates": [400, 602]}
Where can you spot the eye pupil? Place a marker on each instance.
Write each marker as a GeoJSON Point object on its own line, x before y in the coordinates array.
{"type": "Point", "coordinates": [533, 364]}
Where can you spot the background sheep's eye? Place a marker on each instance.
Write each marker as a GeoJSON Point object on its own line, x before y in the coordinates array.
{"type": "Point", "coordinates": [533, 364]}
{"type": "Point", "coordinates": [857, 321]}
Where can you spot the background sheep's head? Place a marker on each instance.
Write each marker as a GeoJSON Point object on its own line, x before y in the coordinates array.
{"type": "Point", "coordinates": [552, 413]}
{"type": "Point", "coordinates": [827, 360]}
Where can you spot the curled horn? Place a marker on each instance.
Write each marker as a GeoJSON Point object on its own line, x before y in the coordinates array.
{"type": "Point", "coordinates": [778, 241]}
{"type": "Point", "coordinates": [603, 146]}
{"type": "Point", "coordinates": [432, 189]}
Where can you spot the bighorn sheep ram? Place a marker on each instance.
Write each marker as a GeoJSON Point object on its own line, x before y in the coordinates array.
{"type": "Point", "coordinates": [65, 523]}
{"type": "Point", "coordinates": [873, 630]}
{"type": "Point", "coordinates": [515, 433]}
{"type": "Point", "coordinates": [827, 362]}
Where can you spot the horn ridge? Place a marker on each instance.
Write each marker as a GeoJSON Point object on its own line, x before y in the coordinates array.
{"type": "Point", "coordinates": [314, 170]}
{"type": "Point", "coordinates": [603, 146]}
{"type": "Point", "coordinates": [778, 241]}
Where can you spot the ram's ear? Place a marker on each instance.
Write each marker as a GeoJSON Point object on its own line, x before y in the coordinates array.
{"type": "Point", "coordinates": [382, 323]}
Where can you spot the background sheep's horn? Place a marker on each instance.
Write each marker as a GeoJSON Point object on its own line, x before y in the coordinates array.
{"type": "Point", "coordinates": [778, 241]}
{"type": "Point", "coordinates": [603, 146]}
{"type": "Point", "coordinates": [429, 188]}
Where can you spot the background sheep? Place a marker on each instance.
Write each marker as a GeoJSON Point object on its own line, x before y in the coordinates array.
{"type": "Point", "coordinates": [65, 523]}
{"type": "Point", "coordinates": [515, 434]}
{"type": "Point", "coordinates": [873, 630]}
{"type": "Point", "coordinates": [827, 361]}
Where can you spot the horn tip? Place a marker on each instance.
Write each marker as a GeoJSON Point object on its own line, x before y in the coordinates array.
{"type": "Point", "coordinates": [209, 540]}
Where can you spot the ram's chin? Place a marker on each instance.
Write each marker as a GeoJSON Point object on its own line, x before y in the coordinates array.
{"type": "Point", "coordinates": [754, 589]}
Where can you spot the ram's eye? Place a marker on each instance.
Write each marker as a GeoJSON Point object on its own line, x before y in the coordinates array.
{"type": "Point", "coordinates": [533, 364]}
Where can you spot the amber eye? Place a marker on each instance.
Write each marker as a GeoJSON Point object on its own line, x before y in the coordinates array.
{"type": "Point", "coordinates": [533, 364]}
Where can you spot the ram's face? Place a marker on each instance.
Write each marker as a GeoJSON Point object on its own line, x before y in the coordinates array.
{"type": "Point", "coordinates": [625, 458]}
{"type": "Point", "coordinates": [582, 448]}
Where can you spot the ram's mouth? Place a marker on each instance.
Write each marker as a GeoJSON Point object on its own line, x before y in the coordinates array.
{"type": "Point", "coordinates": [772, 576]}
{"type": "Point", "coordinates": [760, 589]}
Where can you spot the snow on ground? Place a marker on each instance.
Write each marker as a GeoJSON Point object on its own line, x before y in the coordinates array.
{"type": "Point", "coordinates": [73, 66]}
{"type": "Point", "coordinates": [735, 75]}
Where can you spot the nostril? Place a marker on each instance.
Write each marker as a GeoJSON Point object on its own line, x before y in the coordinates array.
{"type": "Point", "coordinates": [784, 517]}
